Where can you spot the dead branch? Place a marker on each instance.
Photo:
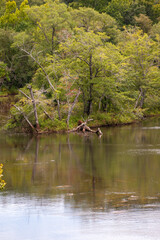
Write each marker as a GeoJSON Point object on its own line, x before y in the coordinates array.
{"type": "Point", "coordinates": [42, 68]}
{"type": "Point", "coordinates": [84, 128]}
{"type": "Point", "coordinates": [47, 114]}
{"type": "Point", "coordinates": [27, 120]}
{"type": "Point", "coordinates": [25, 95]}
{"type": "Point", "coordinates": [72, 107]}
{"type": "Point", "coordinates": [38, 102]}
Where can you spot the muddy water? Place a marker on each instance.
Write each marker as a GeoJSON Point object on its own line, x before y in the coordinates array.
{"type": "Point", "coordinates": [82, 187]}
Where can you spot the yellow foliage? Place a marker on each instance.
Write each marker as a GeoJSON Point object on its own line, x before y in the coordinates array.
{"type": "Point", "coordinates": [2, 182]}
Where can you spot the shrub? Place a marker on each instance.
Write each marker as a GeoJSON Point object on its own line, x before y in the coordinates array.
{"type": "Point", "coordinates": [2, 182]}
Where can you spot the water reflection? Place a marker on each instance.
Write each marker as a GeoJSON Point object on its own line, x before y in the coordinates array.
{"type": "Point", "coordinates": [82, 187]}
{"type": "Point", "coordinates": [27, 219]}
{"type": "Point", "coordinates": [120, 170]}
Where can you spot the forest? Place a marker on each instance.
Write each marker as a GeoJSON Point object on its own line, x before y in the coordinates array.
{"type": "Point", "coordinates": [65, 61]}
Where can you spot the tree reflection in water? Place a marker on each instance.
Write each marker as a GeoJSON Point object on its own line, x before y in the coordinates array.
{"type": "Point", "coordinates": [119, 170]}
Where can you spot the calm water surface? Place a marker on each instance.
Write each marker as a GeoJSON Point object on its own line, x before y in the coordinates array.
{"type": "Point", "coordinates": [82, 187]}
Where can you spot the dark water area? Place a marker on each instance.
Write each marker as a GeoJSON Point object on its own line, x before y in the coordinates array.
{"type": "Point", "coordinates": [81, 186]}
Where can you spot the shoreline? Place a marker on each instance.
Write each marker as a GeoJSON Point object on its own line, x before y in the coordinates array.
{"type": "Point", "coordinates": [92, 126]}
{"type": "Point", "coordinates": [114, 120]}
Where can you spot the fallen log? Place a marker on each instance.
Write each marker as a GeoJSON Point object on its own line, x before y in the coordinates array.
{"type": "Point", "coordinates": [84, 128]}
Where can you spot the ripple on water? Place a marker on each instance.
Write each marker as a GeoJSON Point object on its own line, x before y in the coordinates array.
{"type": "Point", "coordinates": [143, 151]}
{"type": "Point", "coordinates": [156, 127]}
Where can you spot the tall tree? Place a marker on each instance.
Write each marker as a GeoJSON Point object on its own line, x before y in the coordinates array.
{"type": "Point", "coordinates": [90, 59]}
{"type": "Point", "coordinates": [50, 24]}
{"type": "Point", "coordinates": [141, 64]}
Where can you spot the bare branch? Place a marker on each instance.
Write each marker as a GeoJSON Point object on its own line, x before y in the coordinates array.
{"type": "Point", "coordinates": [25, 94]}
{"type": "Point", "coordinates": [73, 104]}
{"type": "Point", "coordinates": [27, 120]}
{"type": "Point", "coordinates": [82, 59]}
{"type": "Point", "coordinates": [38, 63]}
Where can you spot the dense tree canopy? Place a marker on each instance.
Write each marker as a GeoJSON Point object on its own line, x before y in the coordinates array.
{"type": "Point", "coordinates": [71, 60]}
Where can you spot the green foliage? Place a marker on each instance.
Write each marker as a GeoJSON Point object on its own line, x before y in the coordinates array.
{"type": "Point", "coordinates": [155, 31]}
{"type": "Point", "coordinates": [96, 4]}
{"type": "Point", "coordinates": [4, 76]}
{"type": "Point", "coordinates": [140, 64]}
{"type": "Point", "coordinates": [78, 62]}
{"type": "Point", "coordinates": [103, 118]}
{"type": "Point", "coordinates": [19, 67]}
{"type": "Point", "coordinates": [93, 60]}
{"type": "Point", "coordinates": [53, 125]}
{"type": "Point", "coordinates": [2, 182]}
{"type": "Point", "coordinates": [91, 20]}
{"type": "Point", "coordinates": [14, 18]}
{"type": "Point", "coordinates": [125, 10]}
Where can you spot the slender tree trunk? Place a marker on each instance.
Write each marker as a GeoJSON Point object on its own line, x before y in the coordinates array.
{"type": "Point", "coordinates": [34, 108]}
{"type": "Point", "coordinates": [84, 103]}
{"type": "Point", "coordinates": [59, 113]}
{"type": "Point", "coordinates": [72, 107]}
{"type": "Point", "coordinates": [140, 100]}
{"type": "Point", "coordinates": [87, 106]}
{"type": "Point", "coordinates": [137, 102]}
{"type": "Point", "coordinates": [88, 110]}
{"type": "Point", "coordinates": [104, 104]}
{"type": "Point", "coordinates": [89, 102]}
{"type": "Point", "coordinates": [100, 104]}
{"type": "Point", "coordinates": [53, 33]}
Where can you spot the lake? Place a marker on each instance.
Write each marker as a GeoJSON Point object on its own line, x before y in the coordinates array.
{"type": "Point", "coordinates": [73, 187]}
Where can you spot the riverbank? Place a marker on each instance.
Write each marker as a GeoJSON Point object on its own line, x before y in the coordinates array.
{"type": "Point", "coordinates": [9, 123]}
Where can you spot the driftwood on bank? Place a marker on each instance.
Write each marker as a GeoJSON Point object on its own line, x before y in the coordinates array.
{"type": "Point", "coordinates": [84, 128]}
